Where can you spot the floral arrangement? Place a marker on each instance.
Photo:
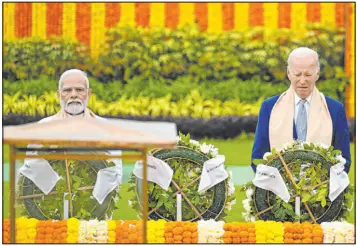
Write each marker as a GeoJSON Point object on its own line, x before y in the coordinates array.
{"type": "Point", "coordinates": [129, 231]}
{"type": "Point", "coordinates": [49, 231]}
{"type": "Point", "coordinates": [73, 228]}
{"type": "Point", "coordinates": [111, 231]}
{"type": "Point", "coordinates": [92, 231]}
{"type": "Point", "coordinates": [237, 232]}
{"type": "Point", "coordinates": [269, 232]}
{"type": "Point", "coordinates": [212, 152]}
{"type": "Point", "coordinates": [26, 230]}
{"type": "Point", "coordinates": [338, 232]}
{"type": "Point", "coordinates": [162, 203]}
{"type": "Point", "coordinates": [44, 207]}
{"type": "Point", "coordinates": [155, 231]}
{"type": "Point", "coordinates": [311, 178]}
{"type": "Point", "coordinates": [302, 233]}
{"type": "Point", "coordinates": [209, 231]}
{"type": "Point", "coordinates": [6, 231]}
{"type": "Point", "coordinates": [181, 232]}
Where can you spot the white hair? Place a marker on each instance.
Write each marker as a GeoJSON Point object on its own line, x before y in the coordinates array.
{"type": "Point", "coordinates": [69, 72]}
{"type": "Point", "coordinates": [303, 52]}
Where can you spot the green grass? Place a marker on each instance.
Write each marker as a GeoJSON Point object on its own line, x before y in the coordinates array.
{"type": "Point", "coordinates": [237, 152]}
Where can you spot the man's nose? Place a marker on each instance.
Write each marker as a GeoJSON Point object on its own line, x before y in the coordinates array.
{"type": "Point", "coordinates": [74, 93]}
{"type": "Point", "coordinates": [303, 79]}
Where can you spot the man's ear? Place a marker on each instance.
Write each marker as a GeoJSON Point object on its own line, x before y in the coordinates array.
{"type": "Point", "coordinates": [89, 92]}
{"type": "Point", "coordinates": [58, 94]}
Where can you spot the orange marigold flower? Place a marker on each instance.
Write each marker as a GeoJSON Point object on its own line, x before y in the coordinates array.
{"type": "Point", "coordinates": [288, 240]}
{"type": "Point", "coordinates": [236, 240]}
{"type": "Point", "coordinates": [317, 240]}
{"type": "Point", "coordinates": [227, 234]}
{"type": "Point", "coordinates": [307, 240]}
{"type": "Point", "coordinates": [186, 234]}
{"type": "Point", "coordinates": [244, 233]}
{"type": "Point", "coordinates": [178, 237]}
{"type": "Point", "coordinates": [227, 227]}
{"type": "Point", "coordinates": [186, 240]}
{"type": "Point", "coordinates": [227, 240]}
{"type": "Point", "coordinates": [178, 230]}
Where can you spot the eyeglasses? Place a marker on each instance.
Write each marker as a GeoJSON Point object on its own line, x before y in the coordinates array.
{"type": "Point", "coordinates": [79, 90]}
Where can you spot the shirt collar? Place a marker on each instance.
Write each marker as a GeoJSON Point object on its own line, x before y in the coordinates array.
{"type": "Point", "coordinates": [297, 98]}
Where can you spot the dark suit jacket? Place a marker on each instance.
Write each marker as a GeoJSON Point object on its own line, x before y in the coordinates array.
{"type": "Point", "coordinates": [340, 136]}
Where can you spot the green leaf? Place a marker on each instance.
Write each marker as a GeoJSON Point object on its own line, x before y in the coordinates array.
{"type": "Point", "coordinates": [76, 178]}
{"type": "Point", "coordinates": [287, 206]}
{"type": "Point", "coordinates": [160, 203]}
{"type": "Point", "coordinates": [306, 196]}
{"type": "Point", "coordinates": [151, 188]}
{"type": "Point", "coordinates": [323, 202]}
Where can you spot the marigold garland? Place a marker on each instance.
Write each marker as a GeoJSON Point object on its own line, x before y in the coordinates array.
{"type": "Point", "coordinates": [111, 231]}
{"type": "Point", "coordinates": [181, 232]}
{"type": "Point", "coordinates": [269, 232]}
{"type": "Point", "coordinates": [6, 231]}
{"type": "Point", "coordinates": [155, 231]}
{"type": "Point", "coordinates": [45, 231]}
{"type": "Point", "coordinates": [237, 232]}
{"type": "Point", "coordinates": [302, 233]}
{"type": "Point", "coordinates": [26, 230]}
{"type": "Point", "coordinates": [60, 233]}
{"type": "Point", "coordinates": [72, 231]}
{"type": "Point", "coordinates": [129, 231]}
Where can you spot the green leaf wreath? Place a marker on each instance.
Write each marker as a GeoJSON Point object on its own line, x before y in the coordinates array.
{"type": "Point", "coordinates": [187, 169]}
{"type": "Point", "coordinates": [310, 165]}
{"type": "Point", "coordinates": [51, 206]}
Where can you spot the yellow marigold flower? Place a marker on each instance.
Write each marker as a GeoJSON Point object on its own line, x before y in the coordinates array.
{"type": "Point", "coordinates": [72, 239]}
{"type": "Point", "coordinates": [270, 235]}
{"type": "Point", "coordinates": [32, 222]}
{"type": "Point", "coordinates": [279, 232]}
{"type": "Point", "coordinates": [279, 239]}
{"type": "Point", "coordinates": [111, 225]}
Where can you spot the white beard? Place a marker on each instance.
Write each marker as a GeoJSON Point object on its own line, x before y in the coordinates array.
{"type": "Point", "coordinates": [74, 108]}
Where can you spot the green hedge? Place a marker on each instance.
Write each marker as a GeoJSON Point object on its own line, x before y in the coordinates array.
{"type": "Point", "coordinates": [259, 53]}
{"type": "Point", "coordinates": [193, 105]}
{"type": "Point", "coordinates": [30, 58]}
{"type": "Point", "coordinates": [165, 54]}
{"type": "Point", "coordinates": [247, 91]}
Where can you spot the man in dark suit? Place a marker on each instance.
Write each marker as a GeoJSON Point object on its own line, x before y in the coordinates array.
{"type": "Point", "coordinates": [302, 112]}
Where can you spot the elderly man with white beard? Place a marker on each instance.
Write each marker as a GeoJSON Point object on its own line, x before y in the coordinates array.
{"type": "Point", "coordinates": [74, 93]}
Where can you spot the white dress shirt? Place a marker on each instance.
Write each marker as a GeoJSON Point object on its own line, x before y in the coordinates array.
{"type": "Point", "coordinates": [306, 105]}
